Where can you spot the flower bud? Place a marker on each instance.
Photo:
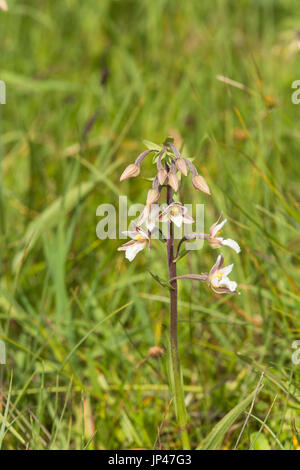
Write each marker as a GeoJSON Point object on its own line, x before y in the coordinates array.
{"type": "Point", "coordinates": [173, 181]}
{"type": "Point", "coordinates": [200, 183]}
{"type": "Point", "coordinates": [181, 165]}
{"type": "Point", "coordinates": [130, 171]}
{"type": "Point", "coordinates": [161, 175]}
{"type": "Point", "coordinates": [152, 197]}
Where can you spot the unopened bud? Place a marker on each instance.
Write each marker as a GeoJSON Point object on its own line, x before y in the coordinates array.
{"type": "Point", "coordinates": [155, 352]}
{"type": "Point", "coordinates": [161, 175]}
{"type": "Point", "coordinates": [181, 166]}
{"type": "Point", "coordinates": [200, 183]}
{"type": "Point", "coordinates": [152, 197]}
{"type": "Point", "coordinates": [173, 181]}
{"type": "Point", "coordinates": [130, 172]}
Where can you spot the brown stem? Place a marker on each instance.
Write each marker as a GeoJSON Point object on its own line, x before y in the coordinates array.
{"type": "Point", "coordinates": [172, 273]}
{"type": "Point", "coordinates": [177, 381]}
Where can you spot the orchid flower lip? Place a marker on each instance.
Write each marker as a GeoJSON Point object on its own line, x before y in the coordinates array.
{"type": "Point", "coordinates": [218, 277]}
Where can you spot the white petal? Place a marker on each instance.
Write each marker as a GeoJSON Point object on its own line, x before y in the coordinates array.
{"type": "Point", "coordinates": [150, 224]}
{"type": "Point", "coordinates": [143, 216]}
{"type": "Point", "coordinates": [164, 215]}
{"type": "Point", "coordinates": [232, 286]}
{"type": "Point", "coordinates": [218, 264]}
{"type": "Point", "coordinates": [152, 218]}
{"type": "Point", "coordinates": [214, 280]}
{"type": "Point", "coordinates": [154, 211]}
{"type": "Point", "coordinates": [130, 233]}
{"type": "Point", "coordinates": [184, 210]}
{"type": "Point", "coordinates": [226, 270]}
{"type": "Point", "coordinates": [234, 245]}
{"type": "Point", "coordinates": [218, 227]}
{"type": "Point", "coordinates": [133, 250]}
{"type": "Point", "coordinates": [177, 219]}
{"type": "Point", "coordinates": [187, 219]}
{"type": "Point", "coordinates": [226, 282]}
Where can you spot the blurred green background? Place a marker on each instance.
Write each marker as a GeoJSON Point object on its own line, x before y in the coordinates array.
{"type": "Point", "coordinates": [86, 82]}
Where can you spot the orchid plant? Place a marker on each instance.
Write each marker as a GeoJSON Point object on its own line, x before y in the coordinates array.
{"type": "Point", "coordinates": [170, 163]}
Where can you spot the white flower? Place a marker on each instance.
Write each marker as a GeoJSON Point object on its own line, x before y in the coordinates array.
{"type": "Point", "coordinates": [218, 278]}
{"type": "Point", "coordinates": [216, 242]}
{"type": "Point", "coordinates": [149, 217]}
{"type": "Point", "coordinates": [138, 242]}
{"type": "Point", "coordinates": [176, 213]}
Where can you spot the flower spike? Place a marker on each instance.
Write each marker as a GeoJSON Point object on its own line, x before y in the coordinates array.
{"type": "Point", "coordinates": [169, 162]}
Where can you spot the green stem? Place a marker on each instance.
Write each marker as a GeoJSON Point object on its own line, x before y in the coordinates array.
{"type": "Point", "coordinates": [177, 379]}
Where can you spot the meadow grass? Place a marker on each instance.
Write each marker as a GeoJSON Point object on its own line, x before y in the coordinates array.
{"type": "Point", "coordinates": [86, 83]}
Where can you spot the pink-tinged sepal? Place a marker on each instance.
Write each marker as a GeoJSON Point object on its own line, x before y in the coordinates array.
{"type": "Point", "coordinates": [138, 242]}
{"type": "Point", "coordinates": [149, 217]}
{"type": "Point", "coordinates": [200, 183]}
{"type": "Point", "coordinates": [218, 264]}
{"type": "Point", "coordinates": [173, 181]}
{"type": "Point", "coordinates": [217, 242]}
{"type": "Point", "coordinates": [162, 175]}
{"type": "Point", "coordinates": [131, 171]}
{"type": "Point", "coordinates": [152, 197]}
{"type": "Point", "coordinates": [181, 165]}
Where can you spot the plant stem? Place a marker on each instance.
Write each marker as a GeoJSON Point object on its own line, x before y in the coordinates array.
{"type": "Point", "coordinates": [177, 380]}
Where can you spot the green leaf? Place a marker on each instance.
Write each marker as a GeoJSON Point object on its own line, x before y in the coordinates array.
{"type": "Point", "coordinates": [160, 281]}
{"type": "Point", "coordinates": [216, 435]}
{"type": "Point", "coordinates": [181, 255]}
{"type": "Point", "coordinates": [168, 140]}
{"type": "Point", "coordinates": [151, 145]}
